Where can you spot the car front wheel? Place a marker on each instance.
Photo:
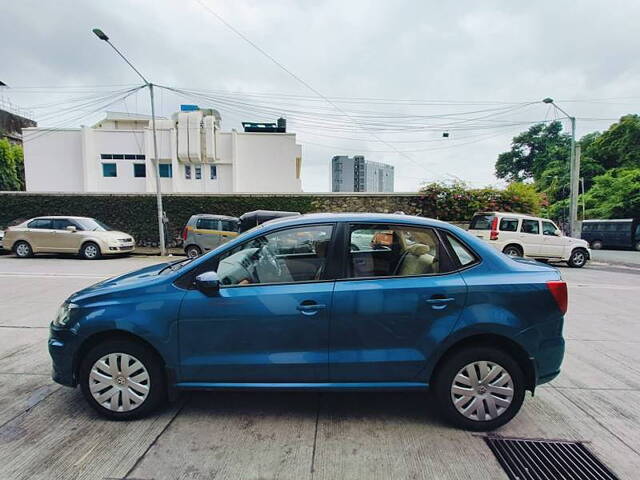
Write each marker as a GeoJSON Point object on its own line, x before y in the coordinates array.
{"type": "Point", "coordinates": [122, 380]}
{"type": "Point", "coordinates": [90, 251]}
{"type": "Point", "coordinates": [578, 258]}
{"type": "Point", "coordinates": [479, 388]}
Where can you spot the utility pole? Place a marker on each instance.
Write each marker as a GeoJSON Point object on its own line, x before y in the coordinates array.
{"type": "Point", "coordinates": [156, 161]}
{"type": "Point", "coordinates": [574, 172]}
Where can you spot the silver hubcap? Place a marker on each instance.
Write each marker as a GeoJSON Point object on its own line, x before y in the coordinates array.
{"type": "Point", "coordinates": [22, 250]}
{"type": "Point", "coordinates": [193, 253]}
{"type": "Point", "coordinates": [578, 258]}
{"type": "Point", "coordinates": [119, 382]}
{"type": "Point", "coordinates": [512, 252]}
{"type": "Point", "coordinates": [482, 391]}
{"type": "Point", "coordinates": [90, 251]}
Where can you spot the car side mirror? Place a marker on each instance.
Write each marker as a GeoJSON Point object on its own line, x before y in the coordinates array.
{"type": "Point", "coordinates": [207, 282]}
{"type": "Point", "coordinates": [71, 228]}
{"type": "Point", "coordinates": [557, 233]}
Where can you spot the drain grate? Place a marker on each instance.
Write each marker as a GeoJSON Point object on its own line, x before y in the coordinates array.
{"type": "Point", "coordinates": [524, 459]}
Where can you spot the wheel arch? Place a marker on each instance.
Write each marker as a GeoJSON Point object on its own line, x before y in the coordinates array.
{"type": "Point", "coordinates": [108, 335]}
{"type": "Point", "coordinates": [524, 360]}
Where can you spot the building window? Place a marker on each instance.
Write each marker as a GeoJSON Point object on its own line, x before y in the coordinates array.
{"type": "Point", "coordinates": [187, 172]}
{"type": "Point", "coordinates": [214, 172]}
{"type": "Point", "coordinates": [121, 156]}
{"type": "Point", "coordinates": [109, 170]}
{"type": "Point", "coordinates": [198, 173]}
{"type": "Point", "coordinates": [165, 170]}
{"type": "Point", "coordinates": [139, 170]}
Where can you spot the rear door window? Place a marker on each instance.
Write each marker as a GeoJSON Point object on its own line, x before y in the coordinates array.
{"type": "Point", "coordinates": [394, 251]}
{"type": "Point", "coordinates": [207, 224]}
{"type": "Point", "coordinates": [228, 226]}
{"type": "Point", "coordinates": [481, 222]}
{"type": "Point", "coordinates": [62, 224]}
{"type": "Point", "coordinates": [509, 225]}
{"type": "Point", "coordinates": [530, 226]}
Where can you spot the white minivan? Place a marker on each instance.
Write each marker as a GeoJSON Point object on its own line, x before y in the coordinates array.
{"type": "Point", "coordinates": [520, 235]}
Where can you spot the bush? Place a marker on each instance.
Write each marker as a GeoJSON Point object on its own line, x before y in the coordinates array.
{"type": "Point", "coordinates": [137, 214]}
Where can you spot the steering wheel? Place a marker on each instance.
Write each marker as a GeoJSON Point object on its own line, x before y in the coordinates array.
{"type": "Point", "coordinates": [269, 256]}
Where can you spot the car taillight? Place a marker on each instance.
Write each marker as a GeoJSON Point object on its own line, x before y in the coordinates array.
{"type": "Point", "coordinates": [558, 289]}
{"type": "Point", "coordinates": [494, 229]}
{"type": "Point", "coordinates": [185, 230]}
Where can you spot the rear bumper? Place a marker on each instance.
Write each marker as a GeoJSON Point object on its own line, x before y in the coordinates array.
{"type": "Point", "coordinates": [548, 359]}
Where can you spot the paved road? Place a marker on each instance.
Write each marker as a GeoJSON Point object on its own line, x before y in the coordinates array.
{"type": "Point", "coordinates": [621, 257]}
{"type": "Point", "coordinates": [46, 431]}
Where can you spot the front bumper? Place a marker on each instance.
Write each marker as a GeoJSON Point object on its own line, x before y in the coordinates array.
{"type": "Point", "coordinates": [114, 249]}
{"type": "Point", "coordinates": [62, 346]}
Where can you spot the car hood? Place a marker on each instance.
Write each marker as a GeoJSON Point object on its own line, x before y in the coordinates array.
{"type": "Point", "coordinates": [134, 279]}
{"type": "Point", "coordinates": [110, 235]}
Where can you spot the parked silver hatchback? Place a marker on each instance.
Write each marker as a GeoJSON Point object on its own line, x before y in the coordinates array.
{"type": "Point", "coordinates": [204, 232]}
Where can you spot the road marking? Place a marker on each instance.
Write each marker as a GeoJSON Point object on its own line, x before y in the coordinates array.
{"type": "Point", "coordinates": [601, 286]}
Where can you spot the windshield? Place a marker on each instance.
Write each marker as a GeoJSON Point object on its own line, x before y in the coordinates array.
{"type": "Point", "coordinates": [91, 225]}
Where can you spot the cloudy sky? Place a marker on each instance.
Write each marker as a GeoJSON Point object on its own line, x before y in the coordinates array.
{"type": "Point", "coordinates": [400, 73]}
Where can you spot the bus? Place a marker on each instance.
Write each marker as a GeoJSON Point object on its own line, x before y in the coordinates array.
{"type": "Point", "coordinates": [620, 233]}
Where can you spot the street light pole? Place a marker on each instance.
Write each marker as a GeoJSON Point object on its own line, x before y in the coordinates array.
{"type": "Point", "coordinates": [156, 161]}
{"type": "Point", "coordinates": [574, 170]}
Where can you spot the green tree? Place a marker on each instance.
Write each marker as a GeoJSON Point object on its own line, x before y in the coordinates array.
{"type": "Point", "coordinates": [11, 166]}
{"type": "Point", "coordinates": [619, 146]}
{"type": "Point", "coordinates": [616, 194]}
{"type": "Point", "coordinates": [534, 151]}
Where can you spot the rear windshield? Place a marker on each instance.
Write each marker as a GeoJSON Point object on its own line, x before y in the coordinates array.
{"type": "Point", "coordinates": [481, 222]}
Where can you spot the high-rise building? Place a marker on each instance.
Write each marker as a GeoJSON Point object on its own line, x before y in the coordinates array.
{"type": "Point", "coordinates": [355, 174]}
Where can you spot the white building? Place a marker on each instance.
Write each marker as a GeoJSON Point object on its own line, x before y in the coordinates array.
{"type": "Point", "coordinates": [115, 156]}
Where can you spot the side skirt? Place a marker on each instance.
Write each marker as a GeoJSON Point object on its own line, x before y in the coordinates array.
{"type": "Point", "coordinates": [390, 386]}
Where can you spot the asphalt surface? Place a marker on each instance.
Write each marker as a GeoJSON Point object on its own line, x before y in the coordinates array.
{"type": "Point", "coordinates": [47, 431]}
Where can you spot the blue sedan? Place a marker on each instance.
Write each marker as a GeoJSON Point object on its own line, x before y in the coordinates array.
{"type": "Point", "coordinates": [322, 302]}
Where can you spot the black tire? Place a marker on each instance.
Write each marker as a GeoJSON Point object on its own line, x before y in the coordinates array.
{"type": "Point", "coordinates": [22, 249]}
{"type": "Point", "coordinates": [90, 251]}
{"type": "Point", "coordinates": [157, 393]}
{"type": "Point", "coordinates": [193, 251]}
{"type": "Point", "coordinates": [578, 258]}
{"type": "Point", "coordinates": [452, 364]}
{"type": "Point", "coordinates": [512, 251]}
{"type": "Point", "coordinates": [596, 244]}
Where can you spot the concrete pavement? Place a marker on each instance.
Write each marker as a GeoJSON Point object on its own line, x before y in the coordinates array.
{"type": "Point", "coordinates": [47, 431]}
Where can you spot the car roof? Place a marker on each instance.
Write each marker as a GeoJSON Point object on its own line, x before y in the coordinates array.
{"type": "Point", "coordinates": [355, 217]}
{"type": "Point", "coordinates": [211, 215]}
{"type": "Point", "coordinates": [62, 216]}
{"type": "Point", "coordinates": [513, 215]}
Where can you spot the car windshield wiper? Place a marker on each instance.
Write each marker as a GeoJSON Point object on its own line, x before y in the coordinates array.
{"type": "Point", "coordinates": [177, 265]}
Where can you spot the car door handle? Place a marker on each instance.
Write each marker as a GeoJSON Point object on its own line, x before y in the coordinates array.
{"type": "Point", "coordinates": [440, 303]}
{"type": "Point", "coordinates": [310, 308]}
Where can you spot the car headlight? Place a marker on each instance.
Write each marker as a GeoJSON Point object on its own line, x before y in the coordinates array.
{"type": "Point", "coordinates": [64, 314]}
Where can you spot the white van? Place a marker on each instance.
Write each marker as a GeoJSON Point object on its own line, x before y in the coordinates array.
{"type": "Point", "coordinates": [520, 235]}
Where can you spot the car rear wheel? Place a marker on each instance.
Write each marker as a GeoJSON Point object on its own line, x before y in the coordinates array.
{"type": "Point", "coordinates": [637, 246]}
{"type": "Point", "coordinates": [193, 251]}
{"type": "Point", "coordinates": [22, 249]}
{"type": "Point", "coordinates": [512, 251]}
{"type": "Point", "coordinates": [578, 258]}
{"type": "Point", "coordinates": [90, 251]}
{"type": "Point", "coordinates": [122, 380]}
{"type": "Point", "coordinates": [596, 244]}
{"type": "Point", "coordinates": [479, 388]}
